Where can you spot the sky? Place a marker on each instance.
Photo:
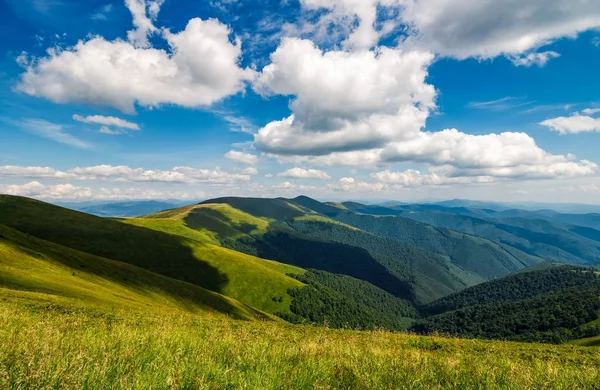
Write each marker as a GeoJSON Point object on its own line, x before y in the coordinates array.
{"type": "Point", "coordinates": [405, 100]}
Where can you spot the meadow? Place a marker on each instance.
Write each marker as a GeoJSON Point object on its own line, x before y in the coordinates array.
{"type": "Point", "coordinates": [51, 342]}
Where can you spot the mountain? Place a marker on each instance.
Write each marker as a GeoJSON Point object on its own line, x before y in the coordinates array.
{"type": "Point", "coordinates": [552, 305]}
{"type": "Point", "coordinates": [429, 262]}
{"type": "Point", "coordinates": [298, 259]}
{"type": "Point", "coordinates": [540, 234]}
{"type": "Point", "coordinates": [32, 269]}
{"type": "Point", "coordinates": [573, 208]}
{"type": "Point", "coordinates": [123, 209]}
{"type": "Point", "coordinates": [179, 253]}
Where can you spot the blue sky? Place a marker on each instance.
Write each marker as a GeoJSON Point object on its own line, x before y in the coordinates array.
{"type": "Point", "coordinates": [336, 99]}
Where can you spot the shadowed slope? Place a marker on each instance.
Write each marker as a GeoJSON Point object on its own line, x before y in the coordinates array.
{"type": "Point", "coordinates": [28, 264]}
{"type": "Point", "coordinates": [153, 250]}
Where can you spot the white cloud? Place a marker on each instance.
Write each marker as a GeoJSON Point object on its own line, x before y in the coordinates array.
{"type": "Point", "coordinates": [301, 173]}
{"type": "Point", "coordinates": [51, 131]}
{"type": "Point", "coordinates": [70, 192]}
{"type": "Point", "coordinates": [141, 194]}
{"type": "Point", "coordinates": [287, 186]}
{"type": "Point", "coordinates": [250, 171]}
{"type": "Point", "coordinates": [126, 174]}
{"type": "Point", "coordinates": [201, 68]}
{"type": "Point", "coordinates": [107, 121]}
{"type": "Point", "coordinates": [32, 172]}
{"type": "Point", "coordinates": [333, 109]}
{"type": "Point", "coordinates": [143, 13]}
{"type": "Point", "coordinates": [590, 111]}
{"type": "Point", "coordinates": [349, 184]}
{"type": "Point", "coordinates": [504, 154]}
{"type": "Point", "coordinates": [241, 157]}
{"type": "Point", "coordinates": [573, 124]}
{"type": "Point", "coordinates": [356, 18]}
{"type": "Point", "coordinates": [38, 190]}
{"type": "Point", "coordinates": [501, 104]}
{"type": "Point", "coordinates": [489, 28]}
{"type": "Point", "coordinates": [109, 131]}
{"type": "Point", "coordinates": [459, 28]}
{"type": "Point", "coordinates": [530, 59]}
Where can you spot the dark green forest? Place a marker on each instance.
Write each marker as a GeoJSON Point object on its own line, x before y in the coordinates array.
{"type": "Point", "coordinates": [552, 318]}
{"type": "Point", "coordinates": [515, 287]}
{"type": "Point", "coordinates": [340, 301]}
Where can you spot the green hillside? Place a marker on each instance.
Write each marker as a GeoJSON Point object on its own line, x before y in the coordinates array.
{"type": "Point", "coordinates": [162, 244]}
{"type": "Point", "coordinates": [516, 287]}
{"type": "Point", "coordinates": [472, 254]}
{"type": "Point", "coordinates": [555, 304]}
{"type": "Point", "coordinates": [39, 271]}
{"type": "Point", "coordinates": [538, 237]}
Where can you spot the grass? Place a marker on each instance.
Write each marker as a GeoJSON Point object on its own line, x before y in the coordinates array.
{"type": "Point", "coordinates": [259, 283]}
{"type": "Point", "coordinates": [48, 346]}
{"type": "Point", "coordinates": [163, 243]}
{"type": "Point", "coordinates": [30, 265]}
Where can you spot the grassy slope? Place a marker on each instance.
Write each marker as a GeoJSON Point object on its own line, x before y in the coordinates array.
{"type": "Point", "coordinates": [162, 243]}
{"type": "Point", "coordinates": [63, 348]}
{"type": "Point", "coordinates": [49, 271]}
{"type": "Point", "coordinates": [251, 280]}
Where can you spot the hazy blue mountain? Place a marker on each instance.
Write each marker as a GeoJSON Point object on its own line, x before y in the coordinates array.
{"type": "Point", "coordinates": [123, 209]}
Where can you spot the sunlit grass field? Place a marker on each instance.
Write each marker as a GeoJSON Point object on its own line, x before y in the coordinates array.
{"type": "Point", "coordinates": [50, 343]}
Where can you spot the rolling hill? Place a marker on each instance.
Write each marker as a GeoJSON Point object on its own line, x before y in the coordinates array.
{"type": "Point", "coordinates": [186, 255]}
{"type": "Point", "coordinates": [543, 234]}
{"type": "Point", "coordinates": [305, 261]}
{"type": "Point", "coordinates": [556, 304]}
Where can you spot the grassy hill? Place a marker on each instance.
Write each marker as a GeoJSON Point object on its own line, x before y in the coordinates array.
{"type": "Point", "coordinates": [160, 302]}
{"type": "Point", "coordinates": [162, 244]}
{"type": "Point", "coordinates": [36, 270]}
{"type": "Point", "coordinates": [60, 347]}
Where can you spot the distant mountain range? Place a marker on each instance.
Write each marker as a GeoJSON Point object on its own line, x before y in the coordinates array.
{"type": "Point", "coordinates": [123, 209]}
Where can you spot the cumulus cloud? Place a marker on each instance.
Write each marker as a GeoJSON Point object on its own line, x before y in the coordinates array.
{"type": "Point", "coordinates": [143, 13]}
{"type": "Point", "coordinates": [357, 18]}
{"type": "Point", "coordinates": [333, 109]}
{"type": "Point", "coordinates": [377, 119]}
{"type": "Point", "coordinates": [121, 173]}
{"type": "Point", "coordinates": [107, 121]}
{"type": "Point", "coordinates": [250, 171]}
{"type": "Point", "coordinates": [349, 184]}
{"type": "Point", "coordinates": [301, 173]}
{"type": "Point", "coordinates": [39, 190]}
{"type": "Point", "coordinates": [461, 28]}
{"type": "Point", "coordinates": [67, 191]}
{"type": "Point", "coordinates": [287, 186]}
{"type": "Point", "coordinates": [200, 68]}
{"type": "Point", "coordinates": [574, 124]}
{"type": "Point", "coordinates": [241, 157]}
{"type": "Point", "coordinates": [489, 28]}
{"type": "Point", "coordinates": [505, 154]}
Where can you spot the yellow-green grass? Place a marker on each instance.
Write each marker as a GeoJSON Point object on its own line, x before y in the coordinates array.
{"type": "Point", "coordinates": [28, 264]}
{"type": "Point", "coordinates": [260, 283]}
{"type": "Point", "coordinates": [50, 346]}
